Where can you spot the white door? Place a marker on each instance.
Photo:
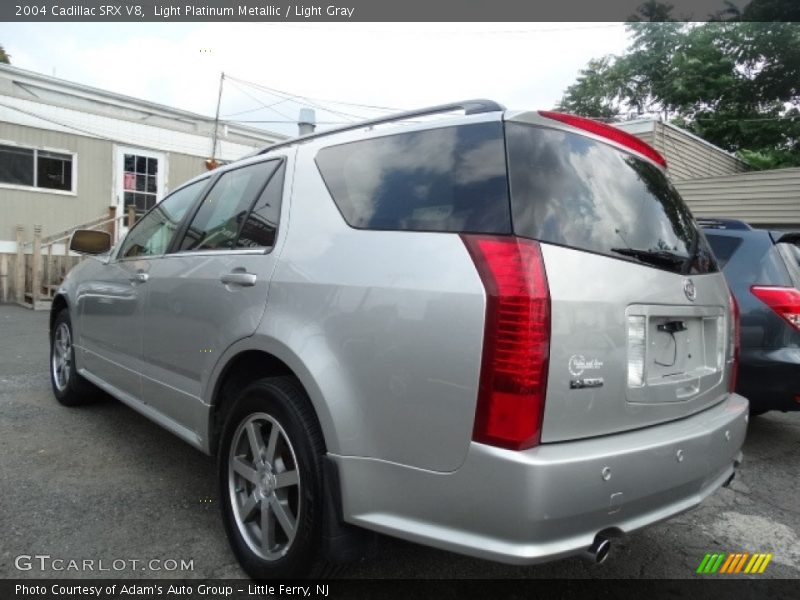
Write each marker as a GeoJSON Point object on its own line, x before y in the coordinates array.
{"type": "Point", "coordinates": [139, 178]}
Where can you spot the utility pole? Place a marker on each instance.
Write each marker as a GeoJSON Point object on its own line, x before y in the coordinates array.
{"type": "Point", "coordinates": [212, 162]}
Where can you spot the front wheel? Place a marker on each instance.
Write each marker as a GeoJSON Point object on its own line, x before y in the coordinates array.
{"type": "Point", "coordinates": [69, 388]}
{"type": "Point", "coordinates": [270, 481]}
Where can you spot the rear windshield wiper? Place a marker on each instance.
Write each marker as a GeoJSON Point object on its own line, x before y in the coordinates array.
{"type": "Point", "coordinates": [660, 258]}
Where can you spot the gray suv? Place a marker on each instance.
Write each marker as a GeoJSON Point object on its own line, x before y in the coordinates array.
{"type": "Point", "coordinates": [499, 333]}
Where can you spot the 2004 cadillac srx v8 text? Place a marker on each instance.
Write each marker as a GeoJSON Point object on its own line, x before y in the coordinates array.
{"type": "Point", "coordinates": [498, 333]}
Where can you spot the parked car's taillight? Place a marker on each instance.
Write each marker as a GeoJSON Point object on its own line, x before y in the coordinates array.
{"type": "Point", "coordinates": [783, 300]}
{"type": "Point", "coordinates": [516, 344]}
{"type": "Point", "coordinates": [736, 338]}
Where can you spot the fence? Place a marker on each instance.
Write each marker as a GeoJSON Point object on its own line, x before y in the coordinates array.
{"type": "Point", "coordinates": [31, 275]}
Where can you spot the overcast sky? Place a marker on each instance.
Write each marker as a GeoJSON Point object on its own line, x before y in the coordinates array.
{"type": "Point", "coordinates": [522, 65]}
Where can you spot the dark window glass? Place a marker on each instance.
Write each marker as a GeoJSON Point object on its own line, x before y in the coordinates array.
{"type": "Point", "coordinates": [447, 179]}
{"type": "Point", "coordinates": [724, 247]}
{"type": "Point", "coordinates": [54, 171]}
{"type": "Point", "coordinates": [218, 220]}
{"type": "Point", "coordinates": [130, 163]}
{"type": "Point", "coordinates": [141, 164]}
{"type": "Point", "coordinates": [140, 182]}
{"type": "Point", "coordinates": [152, 234]}
{"type": "Point", "coordinates": [152, 166]}
{"type": "Point", "coordinates": [261, 225]}
{"type": "Point", "coordinates": [16, 165]}
{"type": "Point", "coordinates": [791, 256]}
{"type": "Point", "coordinates": [570, 190]}
{"type": "Point", "coordinates": [772, 270]}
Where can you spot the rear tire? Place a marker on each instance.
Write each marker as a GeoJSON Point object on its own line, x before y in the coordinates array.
{"type": "Point", "coordinates": [69, 388]}
{"type": "Point", "coordinates": [270, 476]}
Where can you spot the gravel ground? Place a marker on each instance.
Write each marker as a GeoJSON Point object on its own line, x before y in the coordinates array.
{"type": "Point", "coordinates": [102, 482]}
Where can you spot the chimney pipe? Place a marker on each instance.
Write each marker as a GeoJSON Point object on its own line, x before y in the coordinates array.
{"type": "Point", "coordinates": [307, 122]}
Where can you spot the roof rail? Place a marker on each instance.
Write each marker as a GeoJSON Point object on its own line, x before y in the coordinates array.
{"type": "Point", "coordinates": [470, 107]}
{"type": "Point", "coordinates": [723, 224]}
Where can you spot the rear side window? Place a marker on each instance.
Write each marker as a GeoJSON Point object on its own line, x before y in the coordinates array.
{"type": "Point", "coordinates": [451, 179]}
{"type": "Point", "coordinates": [791, 256]}
{"type": "Point", "coordinates": [225, 210]}
{"type": "Point", "coordinates": [723, 246]}
{"type": "Point", "coordinates": [570, 190]}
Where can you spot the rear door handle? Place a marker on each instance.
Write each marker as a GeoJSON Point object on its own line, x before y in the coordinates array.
{"type": "Point", "coordinates": [140, 277]}
{"type": "Point", "coordinates": [239, 278]}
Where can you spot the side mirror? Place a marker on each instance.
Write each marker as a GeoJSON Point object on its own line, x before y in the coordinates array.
{"type": "Point", "coordinates": [88, 241]}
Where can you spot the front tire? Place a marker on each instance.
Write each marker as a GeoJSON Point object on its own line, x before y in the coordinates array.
{"type": "Point", "coordinates": [270, 481]}
{"type": "Point", "coordinates": [69, 388]}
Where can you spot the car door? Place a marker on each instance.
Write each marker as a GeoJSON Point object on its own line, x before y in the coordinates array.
{"type": "Point", "coordinates": [211, 290]}
{"type": "Point", "coordinates": [111, 301]}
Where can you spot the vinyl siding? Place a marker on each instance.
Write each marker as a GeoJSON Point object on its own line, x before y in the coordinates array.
{"type": "Point", "coordinates": [758, 197]}
{"type": "Point", "coordinates": [689, 157]}
{"type": "Point", "coordinates": [55, 211]}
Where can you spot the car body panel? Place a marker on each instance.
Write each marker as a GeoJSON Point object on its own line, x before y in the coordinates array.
{"type": "Point", "coordinates": [108, 305]}
{"type": "Point", "coordinates": [769, 368]}
{"type": "Point", "coordinates": [550, 501]}
{"type": "Point", "coordinates": [589, 324]}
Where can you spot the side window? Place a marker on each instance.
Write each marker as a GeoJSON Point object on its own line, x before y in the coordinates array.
{"type": "Point", "coordinates": [151, 235]}
{"type": "Point", "coordinates": [261, 225]}
{"type": "Point", "coordinates": [217, 223]}
{"type": "Point", "coordinates": [723, 246]}
{"type": "Point", "coordinates": [448, 179]}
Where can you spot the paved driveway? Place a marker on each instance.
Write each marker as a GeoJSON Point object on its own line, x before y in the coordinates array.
{"type": "Point", "coordinates": [103, 483]}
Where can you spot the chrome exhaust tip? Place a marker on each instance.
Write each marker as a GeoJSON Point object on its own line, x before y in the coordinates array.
{"type": "Point", "coordinates": [598, 551]}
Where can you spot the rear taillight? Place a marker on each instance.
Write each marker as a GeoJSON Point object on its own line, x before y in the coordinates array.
{"type": "Point", "coordinates": [735, 337]}
{"type": "Point", "coordinates": [516, 342]}
{"type": "Point", "coordinates": [623, 138]}
{"type": "Point", "coordinates": [783, 300]}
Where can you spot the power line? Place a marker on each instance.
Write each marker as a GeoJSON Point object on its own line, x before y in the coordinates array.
{"type": "Point", "coordinates": [250, 110]}
{"type": "Point", "coordinates": [314, 102]}
{"type": "Point", "coordinates": [266, 106]}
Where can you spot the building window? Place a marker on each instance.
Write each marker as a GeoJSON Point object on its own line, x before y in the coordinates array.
{"type": "Point", "coordinates": [140, 181]}
{"type": "Point", "coordinates": [36, 168]}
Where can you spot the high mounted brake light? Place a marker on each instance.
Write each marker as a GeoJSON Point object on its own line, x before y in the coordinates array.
{"type": "Point", "coordinates": [623, 138]}
{"type": "Point", "coordinates": [516, 344]}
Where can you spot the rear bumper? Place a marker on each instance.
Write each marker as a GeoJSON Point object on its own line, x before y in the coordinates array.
{"type": "Point", "coordinates": [550, 501]}
{"type": "Point", "coordinates": [770, 378]}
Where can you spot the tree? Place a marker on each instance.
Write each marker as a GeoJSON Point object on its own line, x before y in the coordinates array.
{"type": "Point", "coordinates": [735, 83]}
{"type": "Point", "coordinates": [4, 58]}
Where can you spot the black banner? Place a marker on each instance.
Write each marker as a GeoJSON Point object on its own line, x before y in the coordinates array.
{"type": "Point", "coordinates": [374, 10]}
{"type": "Point", "coordinates": [237, 589]}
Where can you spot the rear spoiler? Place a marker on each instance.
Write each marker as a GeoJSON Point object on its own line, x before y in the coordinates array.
{"type": "Point", "coordinates": [787, 238]}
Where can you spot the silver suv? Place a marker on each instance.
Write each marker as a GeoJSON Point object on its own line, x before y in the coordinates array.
{"type": "Point", "coordinates": [499, 333]}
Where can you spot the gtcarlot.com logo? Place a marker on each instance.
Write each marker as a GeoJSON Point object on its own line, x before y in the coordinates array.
{"type": "Point", "coordinates": [735, 562]}
{"type": "Point", "coordinates": [45, 562]}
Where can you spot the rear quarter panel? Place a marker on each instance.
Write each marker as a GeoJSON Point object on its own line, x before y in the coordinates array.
{"type": "Point", "coordinates": [389, 325]}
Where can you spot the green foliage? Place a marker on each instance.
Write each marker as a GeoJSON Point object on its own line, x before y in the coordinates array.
{"type": "Point", "coordinates": [735, 83]}
{"type": "Point", "coordinates": [4, 58]}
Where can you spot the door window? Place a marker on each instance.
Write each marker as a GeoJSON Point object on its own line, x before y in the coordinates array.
{"type": "Point", "coordinates": [224, 220]}
{"type": "Point", "coordinates": [140, 181]}
{"type": "Point", "coordinates": [151, 235]}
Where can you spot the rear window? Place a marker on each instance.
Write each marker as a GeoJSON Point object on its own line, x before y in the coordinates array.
{"type": "Point", "coordinates": [451, 179]}
{"type": "Point", "coordinates": [570, 190]}
{"type": "Point", "coordinates": [723, 246]}
{"type": "Point", "coordinates": [791, 255]}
